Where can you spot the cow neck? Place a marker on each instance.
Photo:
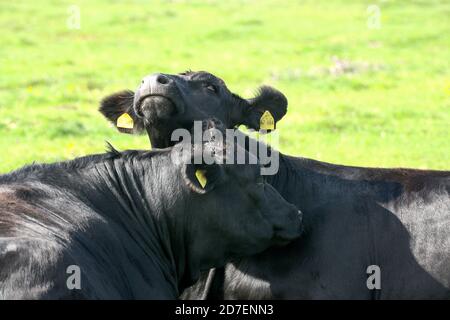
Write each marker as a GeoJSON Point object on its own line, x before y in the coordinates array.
{"type": "Point", "coordinates": [309, 183]}
{"type": "Point", "coordinates": [288, 178]}
{"type": "Point", "coordinates": [131, 195]}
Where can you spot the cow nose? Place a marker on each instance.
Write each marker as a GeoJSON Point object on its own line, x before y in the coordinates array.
{"type": "Point", "coordinates": [162, 79]}
{"type": "Point", "coordinates": [154, 84]}
{"type": "Point", "coordinates": [155, 80]}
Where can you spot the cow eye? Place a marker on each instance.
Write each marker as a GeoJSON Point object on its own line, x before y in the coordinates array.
{"type": "Point", "coordinates": [211, 87]}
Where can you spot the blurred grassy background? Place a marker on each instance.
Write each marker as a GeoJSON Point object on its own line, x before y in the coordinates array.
{"type": "Point", "coordinates": [357, 95]}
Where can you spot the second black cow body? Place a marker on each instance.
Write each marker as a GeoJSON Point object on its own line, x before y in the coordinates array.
{"type": "Point", "coordinates": [395, 219]}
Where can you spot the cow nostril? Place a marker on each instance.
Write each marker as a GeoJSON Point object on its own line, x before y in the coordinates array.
{"type": "Point", "coordinates": [162, 79]}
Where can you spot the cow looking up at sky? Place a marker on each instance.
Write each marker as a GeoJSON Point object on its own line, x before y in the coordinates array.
{"type": "Point", "coordinates": [133, 224]}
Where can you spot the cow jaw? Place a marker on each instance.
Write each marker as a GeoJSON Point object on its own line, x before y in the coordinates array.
{"type": "Point", "coordinates": [154, 108]}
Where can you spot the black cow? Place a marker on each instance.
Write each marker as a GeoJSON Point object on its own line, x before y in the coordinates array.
{"type": "Point", "coordinates": [132, 225]}
{"type": "Point", "coordinates": [357, 219]}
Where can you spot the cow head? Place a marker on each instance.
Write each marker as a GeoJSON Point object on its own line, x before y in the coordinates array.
{"type": "Point", "coordinates": [163, 103]}
{"type": "Point", "coordinates": [230, 210]}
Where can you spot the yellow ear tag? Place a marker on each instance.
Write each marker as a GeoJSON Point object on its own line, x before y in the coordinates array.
{"type": "Point", "coordinates": [267, 122]}
{"type": "Point", "coordinates": [125, 121]}
{"type": "Point", "coordinates": [200, 174]}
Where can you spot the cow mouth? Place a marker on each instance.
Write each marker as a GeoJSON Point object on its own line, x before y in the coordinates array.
{"type": "Point", "coordinates": [155, 107]}
{"type": "Point", "coordinates": [283, 237]}
{"type": "Point", "coordinates": [281, 241]}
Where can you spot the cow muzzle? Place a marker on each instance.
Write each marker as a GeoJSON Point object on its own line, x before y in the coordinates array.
{"type": "Point", "coordinates": [286, 235]}
{"type": "Point", "coordinates": [155, 98]}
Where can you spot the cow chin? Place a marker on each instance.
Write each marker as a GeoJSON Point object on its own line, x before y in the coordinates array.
{"type": "Point", "coordinates": [280, 242]}
{"type": "Point", "coordinates": [156, 108]}
{"type": "Point", "coordinates": [158, 113]}
{"type": "Point", "coordinates": [282, 239]}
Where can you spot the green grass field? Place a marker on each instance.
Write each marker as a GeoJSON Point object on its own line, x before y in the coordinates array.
{"type": "Point", "coordinates": [358, 95]}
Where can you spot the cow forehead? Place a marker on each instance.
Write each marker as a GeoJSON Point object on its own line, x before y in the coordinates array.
{"type": "Point", "coordinates": [202, 75]}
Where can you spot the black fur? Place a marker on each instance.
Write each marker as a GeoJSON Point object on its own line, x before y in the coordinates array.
{"type": "Point", "coordinates": [131, 223]}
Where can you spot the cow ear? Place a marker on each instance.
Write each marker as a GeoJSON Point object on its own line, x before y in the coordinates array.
{"type": "Point", "coordinates": [265, 109]}
{"type": "Point", "coordinates": [118, 109]}
{"type": "Point", "coordinates": [202, 178]}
